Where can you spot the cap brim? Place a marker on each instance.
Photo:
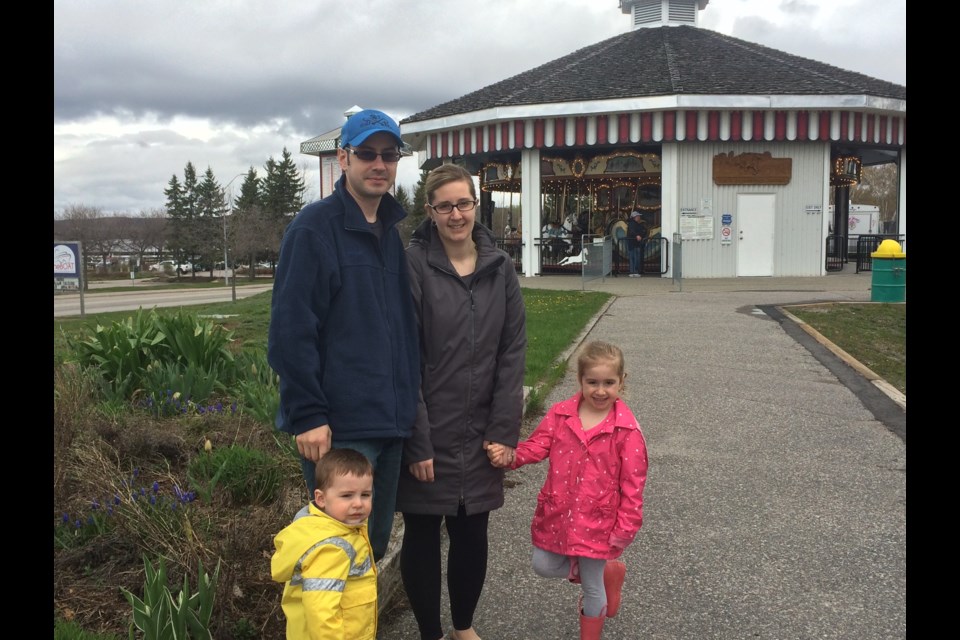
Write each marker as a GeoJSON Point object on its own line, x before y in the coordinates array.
{"type": "Point", "coordinates": [361, 138]}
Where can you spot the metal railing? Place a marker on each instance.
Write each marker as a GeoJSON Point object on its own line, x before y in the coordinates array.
{"type": "Point", "coordinates": [565, 255]}
{"type": "Point", "coordinates": [858, 249]}
{"type": "Point", "coordinates": [597, 254]}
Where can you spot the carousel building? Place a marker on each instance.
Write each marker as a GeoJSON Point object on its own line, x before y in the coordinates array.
{"type": "Point", "coordinates": [729, 149]}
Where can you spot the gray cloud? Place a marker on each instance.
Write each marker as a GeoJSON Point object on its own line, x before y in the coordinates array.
{"type": "Point", "coordinates": [134, 81]}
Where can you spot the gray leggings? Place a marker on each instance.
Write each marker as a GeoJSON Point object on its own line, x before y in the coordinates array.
{"type": "Point", "coordinates": [553, 565]}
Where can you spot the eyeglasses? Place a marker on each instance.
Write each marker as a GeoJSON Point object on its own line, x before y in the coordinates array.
{"type": "Point", "coordinates": [446, 207]}
{"type": "Point", "coordinates": [389, 157]}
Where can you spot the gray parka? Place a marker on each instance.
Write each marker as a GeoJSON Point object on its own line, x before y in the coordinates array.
{"type": "Point", "coordinates": [473, 343]}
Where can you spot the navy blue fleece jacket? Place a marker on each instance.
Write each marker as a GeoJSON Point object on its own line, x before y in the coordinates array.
{"type": "Point", "coordinates": [343, 335]}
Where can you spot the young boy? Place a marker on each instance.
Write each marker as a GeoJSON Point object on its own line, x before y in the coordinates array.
{"type": "Point", "coordinates": [324, 555]}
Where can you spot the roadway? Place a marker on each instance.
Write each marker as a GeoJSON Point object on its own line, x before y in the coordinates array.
{"type": "Point", "coordinates": [94, 302]}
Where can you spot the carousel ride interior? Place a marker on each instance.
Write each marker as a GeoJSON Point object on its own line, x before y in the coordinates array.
{"type": "Point", "coordinates": [587, 196]}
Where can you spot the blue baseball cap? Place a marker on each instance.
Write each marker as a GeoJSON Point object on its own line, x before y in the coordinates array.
{"type": "Point", "coordinates": [364, 124]}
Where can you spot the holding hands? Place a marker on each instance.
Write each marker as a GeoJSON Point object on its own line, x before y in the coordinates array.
{"type": "Point", "coordinates": [500, 455]}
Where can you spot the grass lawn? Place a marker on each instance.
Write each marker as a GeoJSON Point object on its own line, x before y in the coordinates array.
{"type": "Point", "coordinates": [873, 333]}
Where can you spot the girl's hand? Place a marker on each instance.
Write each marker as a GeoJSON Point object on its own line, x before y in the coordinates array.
{"type": "Point", "coordinates": [500, 455]}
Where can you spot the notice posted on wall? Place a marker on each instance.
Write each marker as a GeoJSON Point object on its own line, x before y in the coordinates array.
{"type": "Point", "coordinates": [695, 224]}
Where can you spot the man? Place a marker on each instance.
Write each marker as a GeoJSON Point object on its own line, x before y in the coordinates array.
{"type": "Point", "coordinates": [636, 236]}
{"type": "Point", "coordinates": [343, 334]}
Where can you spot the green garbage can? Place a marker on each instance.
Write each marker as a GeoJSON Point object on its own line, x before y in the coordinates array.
{"type": "Point", "coordinates": [889, 282]}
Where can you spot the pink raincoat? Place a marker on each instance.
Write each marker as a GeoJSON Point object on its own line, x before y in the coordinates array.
{"type": "Point", "coordinates": [591, 504]}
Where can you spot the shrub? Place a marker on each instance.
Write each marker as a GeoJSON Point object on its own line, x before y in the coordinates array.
{"type": "Point", "coordinates": [72, 389]}
{"type": "Point", "coordinates": [135, 505]}
{"type": "Point", "coordinates": [142, 355]}
{"type": "Point", "coordinates": [258, 387]}
{"type": "Point", "coordinates": [69, 630]}
{"type": "Point", "coordinates": [160, 616]}
{"type": "Point", "coordinates": [195, 343]}
{"type": "Point", "coordinates": [249, 476]}
{"type": "Point", "coordinates": [120, 352]}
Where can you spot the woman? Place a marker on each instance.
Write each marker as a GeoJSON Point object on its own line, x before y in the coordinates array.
{"type": "Point", "coordinates": [472, 357]}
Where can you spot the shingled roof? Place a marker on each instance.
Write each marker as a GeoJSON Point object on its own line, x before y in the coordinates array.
{"type": "Point", "coordinates": [667, 61]}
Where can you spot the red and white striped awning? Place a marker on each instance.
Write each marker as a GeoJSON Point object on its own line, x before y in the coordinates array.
{"type": "Point", "coordinates": [669, 126]}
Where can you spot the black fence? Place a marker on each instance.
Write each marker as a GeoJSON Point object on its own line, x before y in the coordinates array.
{"type": "Point", "coordinates": [857, 249]}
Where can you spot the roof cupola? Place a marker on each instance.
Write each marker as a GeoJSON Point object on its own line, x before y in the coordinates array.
{"type": "Point", "coordinates": [662, 13]}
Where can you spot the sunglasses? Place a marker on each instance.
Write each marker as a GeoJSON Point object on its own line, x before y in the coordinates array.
{"type": "Point", "coordinates": [389, 157]}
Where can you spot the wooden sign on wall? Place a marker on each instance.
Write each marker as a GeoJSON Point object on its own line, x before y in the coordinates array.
{"type": "Point", "coordinates": [751, 168]}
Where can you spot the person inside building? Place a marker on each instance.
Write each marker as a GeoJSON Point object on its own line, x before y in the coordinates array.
{"type": "Point", "coordinates": [636, 237]}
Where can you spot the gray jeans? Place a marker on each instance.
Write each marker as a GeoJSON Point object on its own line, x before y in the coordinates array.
{"type": "Point", "coordinates": [553, 565]}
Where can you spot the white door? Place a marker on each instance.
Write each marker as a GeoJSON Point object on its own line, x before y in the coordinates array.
{"type": "Point", "coordinates": [755, 213]}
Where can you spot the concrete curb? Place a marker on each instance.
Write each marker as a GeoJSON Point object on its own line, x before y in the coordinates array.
{"type": "Point", "coordinates": [889, 390]}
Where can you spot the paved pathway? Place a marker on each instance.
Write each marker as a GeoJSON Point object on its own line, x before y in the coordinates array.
{"type": "Point", "coordinates": [776, 500]}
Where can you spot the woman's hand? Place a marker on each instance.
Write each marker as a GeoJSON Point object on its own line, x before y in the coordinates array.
{"type": "Point", "coordinates": [500, 455]}
{"type": "Point", "coordinates": [422, 471]}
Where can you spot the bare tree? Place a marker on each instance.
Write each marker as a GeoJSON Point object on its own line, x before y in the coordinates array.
{"type": "Point", "coordinates": [879, 186]}
{"type": "Point", "coordinates": [146, 234]}
{"type": "Point", "coordinates": [86, 224]}
{"type": "Point", "coordinates": [252, 234]}
{"type": "Point", "coordinates": [78, 222]}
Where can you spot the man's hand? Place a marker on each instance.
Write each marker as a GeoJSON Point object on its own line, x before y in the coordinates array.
{"type": "Point", "coordinates": [315, 443]}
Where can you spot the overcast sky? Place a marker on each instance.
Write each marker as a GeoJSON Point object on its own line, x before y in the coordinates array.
{"type": "Point", "coordinates": [143, 87]}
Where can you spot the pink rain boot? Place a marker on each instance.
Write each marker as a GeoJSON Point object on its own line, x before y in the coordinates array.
{"type": "Point", "coordinates": [614, 573]}
{"type": "Point", "coordinates": [591, 628]}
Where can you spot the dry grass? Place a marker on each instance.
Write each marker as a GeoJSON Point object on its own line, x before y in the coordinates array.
{"type": "Point", "coordinates": [95, 454]}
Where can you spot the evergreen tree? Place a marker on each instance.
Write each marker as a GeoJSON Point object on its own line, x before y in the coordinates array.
{"type": "Point", "coordinates": [208, 224]}
{"type": "Point", "coordinates": [281, 193]}
{"type": "Point", "coordinates": [182, 207]}
{"type": "Point", "coordinates": [408, 224]}
{"type": "Point", "coordinates": [403, 198]}
{"type": "Point", "coordinates": [249, 192]}
{"type": "Point", "coordinates": [178, 214]}
{"type": "Point", "coordinates": [176, 205]}
{"type": "Point", "coordinates": [420, 196]}
{"type": "Point", "coordinates": [248, 222]}
{"type": "Point", "coordinates": [282, 188]}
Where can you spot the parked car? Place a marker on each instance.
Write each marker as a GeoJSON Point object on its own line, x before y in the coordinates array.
{"type": "Point", "coordinates": [163, 265]}
{"type": "Point", "coordinates": [171, 265]}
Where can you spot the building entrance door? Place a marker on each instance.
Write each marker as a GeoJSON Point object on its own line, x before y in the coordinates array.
{"type": "Point", "coordinates": [755, 236]}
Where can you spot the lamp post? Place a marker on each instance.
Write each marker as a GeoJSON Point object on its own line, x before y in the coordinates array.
{"type": "Point", "coordinates": [227, 273]}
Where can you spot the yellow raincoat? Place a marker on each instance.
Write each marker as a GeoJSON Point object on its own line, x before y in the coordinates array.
{"type": "Point", "coordinates": [330, 576]}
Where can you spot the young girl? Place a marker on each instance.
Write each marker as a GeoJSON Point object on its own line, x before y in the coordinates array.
{"type": "Point", "coordinates": [591, 505]}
